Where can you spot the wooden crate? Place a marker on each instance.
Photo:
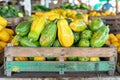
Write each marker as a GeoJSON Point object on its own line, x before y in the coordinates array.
{"type": "Point", "coordinates": [59, 66]}
{"type": "Point", "coordinates": [113, 22]}
{"type": "Point", "coordinates": [13, 22]}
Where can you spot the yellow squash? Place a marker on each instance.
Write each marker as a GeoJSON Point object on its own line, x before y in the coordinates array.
{"type": "Point", "coordinates": [3, 22]}
{"type": "Point", "coordinates": [65, 34]}
{"type": "Point", "coordinates": [4, 36]}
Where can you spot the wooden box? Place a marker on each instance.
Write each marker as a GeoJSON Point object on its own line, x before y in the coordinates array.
{"type": "Point", "coordinates": [61, 66]}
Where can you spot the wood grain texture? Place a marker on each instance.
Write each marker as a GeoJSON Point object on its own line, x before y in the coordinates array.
{"type": "Point", "coordinates": [55, 51]}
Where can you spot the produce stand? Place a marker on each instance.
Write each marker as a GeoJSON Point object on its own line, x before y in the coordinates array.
{"type": "Point", "coordinates": [61, 67]}
{"type": "Point", "coordinates": [104, 69]}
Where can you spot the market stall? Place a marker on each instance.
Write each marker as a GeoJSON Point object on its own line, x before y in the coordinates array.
{"type": "Point", "coordinates": [61, 40]}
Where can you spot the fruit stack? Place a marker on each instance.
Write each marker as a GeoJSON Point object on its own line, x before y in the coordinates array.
{"type": "Point", "coordinates": [59, 28]}
{"type": "Point", "coordinates": [6, 34]}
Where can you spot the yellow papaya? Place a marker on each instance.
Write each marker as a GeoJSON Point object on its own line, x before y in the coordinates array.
{"type": "Point", "coordinates": [37, 27]}
{"type": "Point", "coordinates": [3, 44]}
{"type": "Point", "coordinates": [85, 18]}
{"type": "Point", "coordinates": [112, 36]}
{"type": "Point", "coordinates": [116, 44]}
{"type": "Point", "coordinates": [39, 58]}
{"type": "Point", "coordinates": [1, 27]}
{"type": "Point", "coordinates": [39, 14]}
{"type": "Point", "coordinates": [118, 36]}
{"type": "Point", "coordinates": [20, 58]}
{"type": "Point", "coordinates": [3, 22]}
{"type": "Point", "coordinates": [4, 36]}
{"type": "Point", "coordinates": [65, 34]}
{"type": "Point", "coordinates": [108, 42]}
{"type": "Point", "coordinates": [78, 25]}
{"type": "Point", "coordinates": [9, 31]}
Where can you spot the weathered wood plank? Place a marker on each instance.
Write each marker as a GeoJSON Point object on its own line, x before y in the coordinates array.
{"type": "Point", "coordinates": [55, 51]}
{"type": "Point", "coordinates": [54, 66]}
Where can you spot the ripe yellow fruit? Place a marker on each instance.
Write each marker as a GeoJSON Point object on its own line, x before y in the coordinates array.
{"type": "Point", "coordinates": [108, 42]}
{"type": "Point", "coordinates": [113, 14]}
{"type": "Point", "coordinates": [4, 36]}
{"type": "Point", "coordinates": [107, 13]}
{"type": "Point", "coordinates": [3, 22]}
{"type": "Point", "coordinates": [21, 58]}
{"type": "Point", "coordinates": [94, 59]}
{"type": "Point", "coordinates": [3, 44]}
{"type": "Point", "coordinates": [39, 58]}
{"type": "Point", "coordinates": [114, 40]}
{"type": "Point", "coordinates": [118, 36]}
{"type": "Point", "coordinates": [119, 49]}
{"type": "Point", "coordinates": [9, 31]}
{"type": "Point", "coordinates": [116, 44]}
{"type": "Point", "coordinates": [112, 36]}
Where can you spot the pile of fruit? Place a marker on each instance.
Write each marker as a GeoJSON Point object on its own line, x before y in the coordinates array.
{"type": "Point", "coordinates": [105, 13]}
{"type": "Point", "coordinates": [59, 29]}
{"type": "Point", "coordinates": [40, 8]}
{"type": "Point", "coordinates": [82, 6]}
{"type": "Point", "coordinates": [6, 34]}
{"type": "Point", "coordinates": [114, 40]}
{"type": "Point", "coordinates": [10, 11]}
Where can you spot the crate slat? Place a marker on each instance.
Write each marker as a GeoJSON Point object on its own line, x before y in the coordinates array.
{"type": "Point", "coordinates": [55, 51]}
{"type": "Point", "coordinates": [55, 66]}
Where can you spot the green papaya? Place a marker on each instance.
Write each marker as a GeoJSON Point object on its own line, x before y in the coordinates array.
{"type": "Point", "coordinates": [78, 25]}
{"type": "Point", "coordinates": [56, 43]}
{"type": "Point", "coordinates": [84, 43]}
{"type": "Point", "coordinates": [83, 58]}
{"type": "Point", "coordinates": [76, 37]}
{"type": "Point", "coordinates": [37, 27]}
{"type": "Point", "coordinates": [17, 38]}
{"type": "Point", "coordinates": [95, 24]}
{"type": "Point", "coordinates": [48, 35]}
{"type": "Point", "coordinates": [23, 28]}
{"type": "Point", "coordinates": [31, 58]}
{"type": "Point", "coordinates": [86, 34]}
{"type": "Point", "coordinates": [84, 6]}
{"type": "Point", "coordinates": [25, 42]}
{"type": "Point", "coordinates": [72, 58]}
{"type": "Point", "coordinates": [100, 37]}
{"type": "Point", "coordinates": [79, 15]}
